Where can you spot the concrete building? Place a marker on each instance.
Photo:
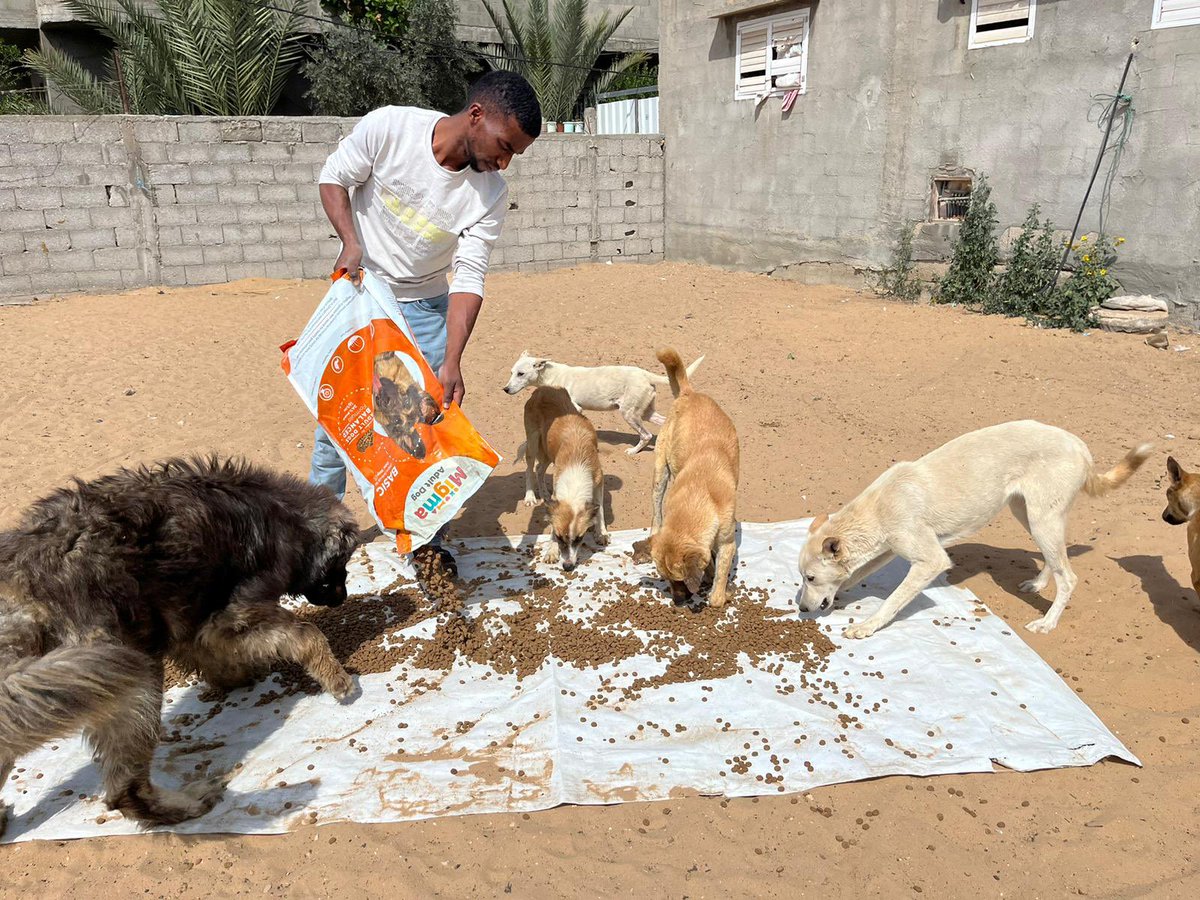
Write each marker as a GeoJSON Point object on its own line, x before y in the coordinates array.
{"type": "Point", "coordinates": [900, 104]}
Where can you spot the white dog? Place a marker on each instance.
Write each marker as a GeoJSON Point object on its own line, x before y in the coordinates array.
{"type": "Point", "coordinates": [627, 388]}
{"type": "Point", "coordinates": [916, 508]}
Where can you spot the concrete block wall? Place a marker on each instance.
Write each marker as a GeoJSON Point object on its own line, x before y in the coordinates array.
{"type": "Point", "coordinates": [104, 203]}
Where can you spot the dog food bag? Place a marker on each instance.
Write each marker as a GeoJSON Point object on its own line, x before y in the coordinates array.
{"type": "Point", "coordinates": [359, 372]}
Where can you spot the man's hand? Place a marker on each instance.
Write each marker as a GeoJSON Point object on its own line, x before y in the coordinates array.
{"type": "Point", "coordinates": [452, 384]}
{"type": "Point", "coordinates": [350, 259]}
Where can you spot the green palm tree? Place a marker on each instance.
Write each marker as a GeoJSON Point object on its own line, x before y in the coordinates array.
{"type": "Point", "coordinates": [203, 57]}
{"type": "Point", "coordinates": [556, 50]}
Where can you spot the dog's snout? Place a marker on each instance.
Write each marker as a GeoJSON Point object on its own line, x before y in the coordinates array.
{"type": "Point", "coordinates": [825, 604]}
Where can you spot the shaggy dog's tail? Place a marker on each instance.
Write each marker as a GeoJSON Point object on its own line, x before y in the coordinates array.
{"type": "Point", "coordinates": [677, 375]}
{"type": "Point", "coordinates": [48, 697]}
{"type": "Point", "coordinates": [1097, 485]}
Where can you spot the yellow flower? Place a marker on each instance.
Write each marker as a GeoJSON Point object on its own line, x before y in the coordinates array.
{"type": "Point", "coordinates": [1087, 258]}
{"type": "Point", "coordinates": [1083, 240]}
{"type": "Point", "coordinates": [1104, 271]}
{"type": "Point", "coordinates": [1120, 241]}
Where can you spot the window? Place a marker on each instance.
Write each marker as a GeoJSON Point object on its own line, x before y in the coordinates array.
{"type": "Point", "coordinates": [1169, 13]}
{"type": "Point", "coordinates": [951, 197]}
{"type": "Point", "coordinates": [772, 55]}
{"type": "Point", "coordinates": [1001, 22]}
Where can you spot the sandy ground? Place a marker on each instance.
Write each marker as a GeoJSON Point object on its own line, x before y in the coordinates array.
{"type": "Point", "coordinates": [827, 388]}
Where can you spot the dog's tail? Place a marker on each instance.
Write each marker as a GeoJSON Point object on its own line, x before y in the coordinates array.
{"type": "Point", "coordinates": [677, 375]}
{"type": "Point", "coordinates": [48, 697]}
{"type": "Point", "coordinates": [1097, 485]}
{"type": "Point", "coordinates": [691, 370]}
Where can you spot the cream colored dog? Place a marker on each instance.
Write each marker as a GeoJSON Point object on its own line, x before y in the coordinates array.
{"type": "Point", "coordinates": [627, 388]}
{"type": "Point", "coordinates": [555, 432]}
{"type": "Point", "coordinates": [914, 509]}
{"type": "Point", "coordinates": [695, 491]}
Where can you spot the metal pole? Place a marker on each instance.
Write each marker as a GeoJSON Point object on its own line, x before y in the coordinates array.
{"type": "Point", "coordinates": [121, 81]}
{"type": "Point", "coordinates": [1095, 170]}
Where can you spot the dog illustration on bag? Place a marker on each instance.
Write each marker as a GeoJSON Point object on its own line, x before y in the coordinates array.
{"type": "Point", "coordinates": [401, 404]}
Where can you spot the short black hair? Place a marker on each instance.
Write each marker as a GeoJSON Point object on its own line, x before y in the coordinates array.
{"type": "Point", "coordinates": [509, 94]}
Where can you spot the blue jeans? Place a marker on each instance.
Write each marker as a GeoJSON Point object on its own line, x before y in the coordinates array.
{"type": "Point", "coordinates": [427, 321]}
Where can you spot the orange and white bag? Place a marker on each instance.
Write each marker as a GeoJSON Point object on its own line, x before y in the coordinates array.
{"type": "Point", "coordinates": [360, 373]}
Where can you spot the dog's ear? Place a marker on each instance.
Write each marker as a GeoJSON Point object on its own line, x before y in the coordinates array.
{"type": "Point", "coordinates": [696, 558]}
{"type": "Point", "coordinates": [817, 523]}
{"type": "Point", "coordinates": [540, 364]}
{"type": "Point", "coordinates": [1174, 470]}
{"type": "Point", "coordinates": [832, 546]}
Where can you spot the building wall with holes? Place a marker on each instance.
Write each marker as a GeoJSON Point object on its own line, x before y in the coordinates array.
{"type": "Point", "coordinates": [895, 96]}
{"type": "Point", "coordinates": [92, 203]}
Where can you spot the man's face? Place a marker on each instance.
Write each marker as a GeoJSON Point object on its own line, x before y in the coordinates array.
{"type": "Point", "coordinates": [493, 139]}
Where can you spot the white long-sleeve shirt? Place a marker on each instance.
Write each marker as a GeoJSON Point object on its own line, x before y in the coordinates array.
{"type": "Point", "coordinates": [416, 219]}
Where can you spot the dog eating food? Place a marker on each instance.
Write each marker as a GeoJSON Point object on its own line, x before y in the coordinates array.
{"type": "Point", "coordinates": [102, 581]}
{"type": "Point", "coordinates": [1183, 505]}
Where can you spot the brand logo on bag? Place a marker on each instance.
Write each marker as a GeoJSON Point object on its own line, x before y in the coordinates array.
{"type": "Point", "coordinates": [440, 490]}
{"type": "Point", "coordinates": [326, 392]}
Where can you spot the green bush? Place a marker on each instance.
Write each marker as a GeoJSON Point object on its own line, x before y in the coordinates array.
{"type": "Point", "coordinates": [896, 279]}
{"type": "Point", "coordinates": [1021, 290]}
{"type": "Point", "coordinates": [414, 60]}
{"type": "Point", "coordinates": [1090, 284]}
{"type": "Point", "coordinates": [970, 278]}
{"type": "Point", "coordinates": [17, 98]}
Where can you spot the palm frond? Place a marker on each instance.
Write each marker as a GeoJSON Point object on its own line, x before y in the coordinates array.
{"type": "Point", "coordinates": [73, 81]}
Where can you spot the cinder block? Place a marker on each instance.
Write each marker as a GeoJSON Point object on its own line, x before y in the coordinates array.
{"type": "Point", "coordinates": [212, 174]}
{"type": "Point", "coordinates": [287, 233]}
{"type": "Point", "coordinates": [71, 261]}
{"type": "Point", "coordinates": [168, 236]}
{"type": "Point", "coordinates": [288, 268]}
{"type": "Point", "coordinates": [154, 153]}
{"type": "Point", "coordinates": [97, 130]}
{"type": "Point", "coordinates": [34, 155]}
{"type": "Point", "coordinates": [222, 253]}
{"type": "Point", "coordinates": [81, 197]}
{"type": "Point", "coordinates": [519, 254]}
{"type": "Point", "coordinates": [175, 214]}
{"type": "Point", "coordinates": [574, 215]}
{"type": "Point", "coordinates": [185, 152]}
{"type": "Point", "coordinates": [296, 212]}
{"type": "Point", "coordinates": [38, 198]}
{"type": "Point", "coordinates": [280, 129]}
{"type": "Point", "coordinates": [173, 276]}
{"type": "Point", "coordinates": [656, 245]}
{"type": "Point", "coordinates": [135, 277]}
{"type": "Point", "coordinates": [205, 274]}
{"type": "Point", "coordinates": [254, 173]}
{"type": "Point", "coordinates": [533, 236]}
{"type": "Point", "coordinates": [92, 238]}
{"type": "Point", "coordinates": [14, 241]}
{"type": "Point", "coordinates": [220, 214]}
{"type": "Point", "coordinates": [237, 193]}
{"type": "Point", "coordinates": [246, 270]}
{"type": "Point", "coordinates": [171, 173]}
{"type": "Point", "coordinates": [101, 281]}
{"type": "Point", "coordinates": [230, 153]}
{"type": "Point", "coordinates": [262, 252]}
{"type": "Point", "coordinates": [577, 250]}
{"type": "Point", "coordinates": [200, 234]}
{"type": "Point", "coordinates": [316, 268]}
{"type": "Point", "coordinates": [8, 199]}
{"type": "Point", "coordinates": [560, 234]}
{"type": "Point", "coordinates": [317, 231]}
{"type": "Point", "coordinates": [42, 130]}
{"type": "Point", "coordinates": [293, 173]}
{"type": "Point", "coordinates": [610, 215]}
{"type": "Point", "coordinates": [15, 286]}
{"type": "Point", "coordinates": [316, 154]}
{"type": "Point", "coordinates": [584, 232]}
{"type": "Point", "coordinates": [259, 214]}
{"type": "Point", "coordinates": [117, 258]}
{"type": "Point", "coordinates": [277, 193]}
{"type": "Point", "coordinates": [241, 130]}
{"type": "Point", "coordinates": [533, 267]}
{"type": "Point", "coordinates": [55, 283]}
{"type": "Point", "coordinates": [182, 256]}
{"type": "Point", "coordinates": [319, 132]}
{"type": "Point", "coordinates": [196, 193]}
{"type": "Point", "coordinates": [147, 129]}
{"type": "Point", "coordinates": [547, 251]}
{"type": "Point", "coordinates": [240, 234]}
{"type": "Point", "coordinates": [81, 154]}
{"type": "Point", "coordinates": [52, 218]}
{"type": "Point", "coordinates": [198, 131]}
{"type": "Point", "coordinates": [269, 153]}
{"type": "Point", "coordinates": [635, 246]}
{"type": "Point", "coordinates": [127, 236]}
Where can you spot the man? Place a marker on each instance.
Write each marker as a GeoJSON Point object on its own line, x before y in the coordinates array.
{"type": "Point", "coordinates": [427, 198]}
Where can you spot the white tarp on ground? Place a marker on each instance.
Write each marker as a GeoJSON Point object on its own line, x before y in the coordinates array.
{"type": "Point", "coordinates": [974, 693]}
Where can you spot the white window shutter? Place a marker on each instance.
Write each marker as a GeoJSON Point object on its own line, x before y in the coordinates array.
{"type": "Point", "coordinates": [752, 58]}
{"type": "Point", "coordinates": [1178, 12]}
{"type": "Point", "coordinates": [787, 42]}
{"type": "Point", "coordinates": [1002, 21]}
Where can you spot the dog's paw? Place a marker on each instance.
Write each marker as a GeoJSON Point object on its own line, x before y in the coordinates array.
{"type": "Point", "coordinates": [3, 818]}
{"type": "Point", "coordinates": [207, 794]}
{"type": "Point", "coordinates": [339, 685]}
{"type": "Point", "coordinates": [860, 630]}
{"type": "Point", "coordinates": [1039, 626]}
{"type": "Point", "coordinates": [550, 552]}
{"type": "Point", "coordinates": [603, 538]}
{"type": "Point", "coordinates": [531, 500]}
{"type": "Point", "coordinates": [1030, 587]}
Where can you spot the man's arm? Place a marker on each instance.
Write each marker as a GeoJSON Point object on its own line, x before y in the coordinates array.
{"type": "Point", "coordinates": [460, 322]}
{"type": "Point", "coordinates": [336, 201]}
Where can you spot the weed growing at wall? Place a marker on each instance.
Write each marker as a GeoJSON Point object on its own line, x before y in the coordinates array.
{"type": "Point", "coordinates": [1021, 289]}
{"type": "Point", "coordinates": [896, 279]}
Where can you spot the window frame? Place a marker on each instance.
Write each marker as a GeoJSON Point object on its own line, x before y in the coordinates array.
{"type": "Point", "coordinates": [740, 93]}
{"type": "Point", "coordinates": [973, 44]}
{"type": "Point", "coordinates": [1156, 20]}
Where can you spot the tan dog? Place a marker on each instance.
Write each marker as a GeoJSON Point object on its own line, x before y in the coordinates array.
{"type": "Point", "coordinates": [914, 509]}
{"type": "Point", "coordinates": [695, 490]}
{"type": "Point", "coordinates": [1183, 505]}
{"type": "Point", "coordinates": [556, 432]}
